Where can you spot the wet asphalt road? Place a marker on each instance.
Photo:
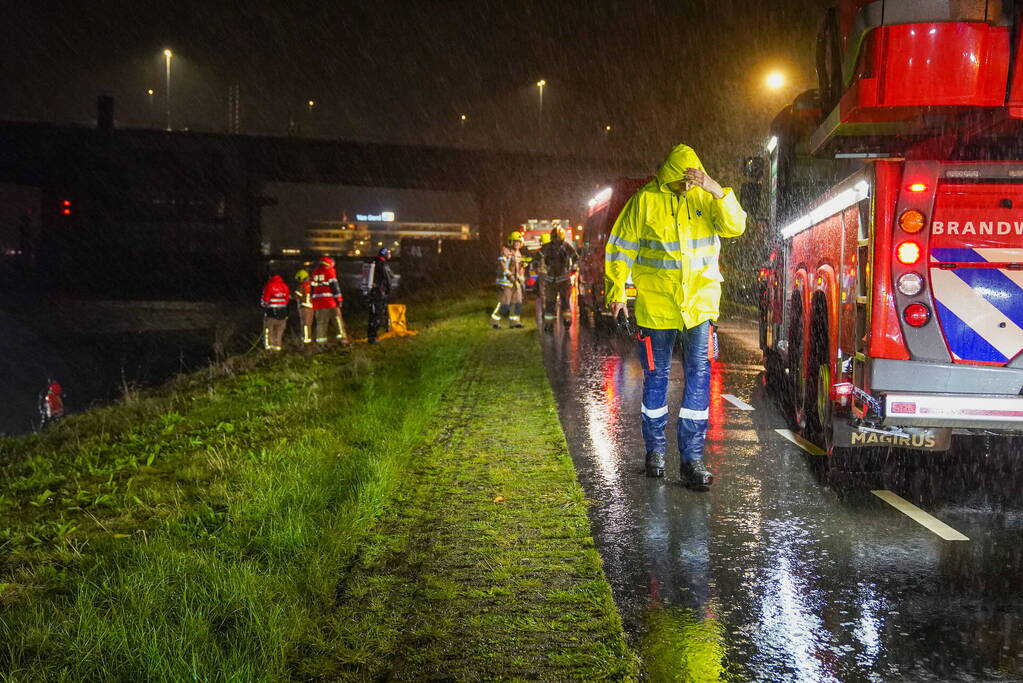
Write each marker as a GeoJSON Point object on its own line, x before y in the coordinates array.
{"type": "Point", "coordinates": [781, 572]}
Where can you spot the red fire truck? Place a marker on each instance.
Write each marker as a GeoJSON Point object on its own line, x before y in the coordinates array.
{"type": "Point", "coordinates": [603, 210]}
{"type": "Point", "coordinates": [891, 306]}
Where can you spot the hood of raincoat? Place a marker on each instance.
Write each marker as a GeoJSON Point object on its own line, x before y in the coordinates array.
{"type": "Point", "coordinates": [674, 166]}
{"type": "Point", "coordinates": [277, 279]}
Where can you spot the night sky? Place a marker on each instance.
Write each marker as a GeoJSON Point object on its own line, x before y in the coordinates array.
{"type": "Point", "coordinates": [658, 72]}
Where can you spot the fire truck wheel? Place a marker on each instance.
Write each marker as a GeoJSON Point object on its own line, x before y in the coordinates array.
{"type": "Point", "coordinates": [793, 397]}
{"type": "Point", "coordinates": [854, 466]}
{"type": "Point", "coordinates": [818, 382]}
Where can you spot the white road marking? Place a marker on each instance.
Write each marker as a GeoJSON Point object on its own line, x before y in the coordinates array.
{"type": "Point", "coordinates": [737, 402]}
{"type": "Point", "coordinates": [810, 448]}
{"type": "Point", "coordinates": [920, 517]}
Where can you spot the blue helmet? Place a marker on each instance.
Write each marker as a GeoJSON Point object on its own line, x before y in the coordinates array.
{"type": "Point", "coordinates": [384, 253]}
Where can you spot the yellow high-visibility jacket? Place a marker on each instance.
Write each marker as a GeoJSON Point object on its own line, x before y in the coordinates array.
{"type": "Point", "coordinates": [671, 244]}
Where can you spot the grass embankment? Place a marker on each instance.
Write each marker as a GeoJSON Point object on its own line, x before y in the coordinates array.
{"type": "Point", "coordinates": [406, 510]}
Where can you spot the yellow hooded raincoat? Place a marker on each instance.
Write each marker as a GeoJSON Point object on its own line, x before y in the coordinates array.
{"type": "Point", "coordinates": [671, 244]}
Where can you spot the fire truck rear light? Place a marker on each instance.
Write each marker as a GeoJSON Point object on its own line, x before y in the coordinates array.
{"type": "Point", "coordinates": [842, 390]}
{"type": "Point", "coordinates": [903, 408]}
{"type": "Point", "coordinates": [908, 253]}
{"type": "Point", "coordinates": [916, 315]}
{"type": "Point", "coordinates": [911, 221]}
{"type": "Point", "coordinates": [917, 187]}
{"type": "Point", "coordinates": [911, 284]}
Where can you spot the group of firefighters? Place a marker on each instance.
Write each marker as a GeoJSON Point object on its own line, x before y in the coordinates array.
{"type": "Point", "coordinates": [318, 298]}
{"type": "Point", "coordinates": [554, 264]}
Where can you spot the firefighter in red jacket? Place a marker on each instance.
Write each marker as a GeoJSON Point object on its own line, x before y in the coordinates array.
{"type": "Point", "coordinates": [275, 312]}
{"type": "Point", "coordinates": [327, 299]}
{"type": "Point", "coordinates": [51, 403]}
{"type": "Point", "coordinates": [303, 295]}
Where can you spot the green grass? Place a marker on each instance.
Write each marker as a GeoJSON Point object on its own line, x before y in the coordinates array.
{"type": "Point", "coordinates": [296, 517]}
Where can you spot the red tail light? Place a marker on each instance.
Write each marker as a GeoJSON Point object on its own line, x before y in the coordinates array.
{"type": "Point", "coordinates": [916, 315]}
{"type": "Point", "coordinates": [917, 187]}
{"type": "Point", "coordinates": [908, 252]}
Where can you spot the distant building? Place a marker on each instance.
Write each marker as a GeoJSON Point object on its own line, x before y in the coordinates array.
{"type": "Point", "coordinates": [364, 237]}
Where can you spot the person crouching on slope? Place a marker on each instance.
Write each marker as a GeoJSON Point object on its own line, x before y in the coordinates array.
{"type": "Point", "coordinates": [668, 236]}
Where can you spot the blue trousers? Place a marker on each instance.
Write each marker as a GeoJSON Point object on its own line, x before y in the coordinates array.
{"type": "Point", "coordinates": [655, 352]}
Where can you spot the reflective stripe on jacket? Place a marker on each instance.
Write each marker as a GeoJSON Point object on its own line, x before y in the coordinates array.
{"type": "Point", "coordinates": [326, 292]}
{"type": "Point", "coordinates": [303, 294]}
{"type": "Point", "coordinates": [559, 259]}
{"type": "Point", "coordinates": [671, 243]}
{"type": "Point", "coordinates": [510, 268]}
{"type": "Point", "coordinates": [276, 293]}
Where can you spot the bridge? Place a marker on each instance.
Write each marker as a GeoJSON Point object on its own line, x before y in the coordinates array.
{"type": "Point", "coordinates": [139, 212]}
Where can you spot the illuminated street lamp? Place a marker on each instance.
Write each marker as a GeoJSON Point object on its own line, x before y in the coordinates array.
{"type": "Point", "coordinates": [149, 98]}
{"type": "Point", "coordinates": [775, 80]}
{"type": "Point", "coordinates": [167, 56]}
{"type": "Point", "coordinates": [540, 84]}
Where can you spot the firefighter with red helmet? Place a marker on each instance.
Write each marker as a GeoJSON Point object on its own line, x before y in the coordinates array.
{"type": "Point", "coordinates": [511, 278]}
{"type": "Point", "coordinates": [51, 403]}
{"type": "Point", "coordinates": [303, 295]}
{"type": "Point", "coordinates": [559, 258]}
{"type": "Point", "coordinates": [327, 300]}
{"type": "Point", "coordinates": [275, 312]}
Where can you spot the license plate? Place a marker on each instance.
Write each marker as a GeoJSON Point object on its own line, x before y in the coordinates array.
{"type": "Point", "coordinates": [913, 438]}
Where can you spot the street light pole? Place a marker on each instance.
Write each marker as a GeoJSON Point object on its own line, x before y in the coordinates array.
{"type": "Point", "coordinates": [167, 55]}
{"type": "Point", "coordinates": [152, 121]}
{"type": "Point", "coordinates": [540, 84]}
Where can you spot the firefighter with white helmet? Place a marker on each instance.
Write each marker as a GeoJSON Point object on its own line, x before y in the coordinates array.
{"type": "Point", "coordinates": [511, 278]}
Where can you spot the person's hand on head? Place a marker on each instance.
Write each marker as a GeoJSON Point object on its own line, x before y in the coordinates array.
{"type": "Point", "coordinates": [699, 178]}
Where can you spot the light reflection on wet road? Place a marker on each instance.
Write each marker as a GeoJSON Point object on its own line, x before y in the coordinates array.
{"type": "Point", "coordinates": [774, 574]}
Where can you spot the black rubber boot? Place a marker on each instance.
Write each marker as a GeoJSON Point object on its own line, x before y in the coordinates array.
{"type": "Point", "coordinates": [496, 326]}
{"type": "Point", "coordinates": [695, 475]}
{"type": "Point", "coordinates": [654, 464]}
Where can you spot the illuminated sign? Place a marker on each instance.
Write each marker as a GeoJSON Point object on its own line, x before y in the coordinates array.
{"type": "Point", "coordinates": [382, 217]}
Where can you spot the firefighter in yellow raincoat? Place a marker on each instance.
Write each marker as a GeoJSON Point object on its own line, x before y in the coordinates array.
{"type": "Point", "coordinates": [669, 237]}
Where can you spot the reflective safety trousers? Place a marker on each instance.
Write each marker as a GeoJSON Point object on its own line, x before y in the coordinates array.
{"type": "Point", "coordinates": [655, 352]}
{"type": "Point", "coordinates": [671, 243]}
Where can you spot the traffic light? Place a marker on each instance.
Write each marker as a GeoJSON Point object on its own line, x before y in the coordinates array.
{"type": "Point", "coordinates": [65, 207]}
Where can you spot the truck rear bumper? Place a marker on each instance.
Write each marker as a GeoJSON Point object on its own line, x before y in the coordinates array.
{"type": "Point", "coordinates": [954, 410]}
{"type": "Point", "coordinates": [916, 376]}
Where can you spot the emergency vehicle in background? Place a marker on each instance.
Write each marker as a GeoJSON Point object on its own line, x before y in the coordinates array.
{"type": "Point", "coordinates": [891, 307]}
{"type": "Point", "coordinates": [603, 210]}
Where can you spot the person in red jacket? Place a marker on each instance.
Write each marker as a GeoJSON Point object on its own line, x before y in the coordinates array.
{"type": "Point", "coordinates": [275, 312]}
{"type": "Point", "coordinates": [51, 403]}
{"type": "Point", "coordinates": [327, 300]}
